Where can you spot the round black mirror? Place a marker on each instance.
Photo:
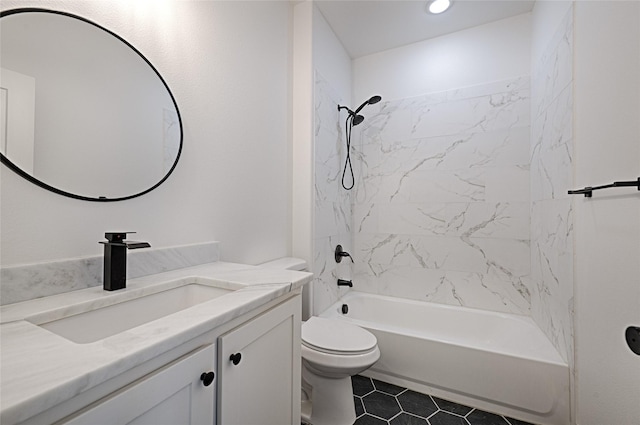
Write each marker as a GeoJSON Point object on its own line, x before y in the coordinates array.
{"type": "Point", "coordinates": [84, 114]}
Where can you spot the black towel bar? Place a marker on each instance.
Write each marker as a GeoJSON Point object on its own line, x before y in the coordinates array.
{"type": "Point", "coordinates": [588, 191]}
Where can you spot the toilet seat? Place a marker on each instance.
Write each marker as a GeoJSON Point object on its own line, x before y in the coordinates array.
{"type": "Point", "coordinates": [337, 337]}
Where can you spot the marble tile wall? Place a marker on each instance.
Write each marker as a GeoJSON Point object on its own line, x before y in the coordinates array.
{"type": "Point", "coordinates": [442, 198]}
{"type": "Point", "coordinates": [26, 282]}
{"type": "Point", "coordinates": [332, 219]}
{"type": "Point", "coordinates": [551, 177]}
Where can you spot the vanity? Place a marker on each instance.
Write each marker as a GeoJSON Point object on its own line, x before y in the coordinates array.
{"type": "Point", "coordinates": [217, 343]}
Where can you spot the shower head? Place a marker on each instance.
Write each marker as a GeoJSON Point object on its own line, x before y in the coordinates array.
{"type": "Point", "coordinates": [355, 118]}
{"type": "Point", "coordinates": [372, 100]}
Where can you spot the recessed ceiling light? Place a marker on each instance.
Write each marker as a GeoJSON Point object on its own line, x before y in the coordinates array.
{"type": "Point", "coordinates": [438, 6]}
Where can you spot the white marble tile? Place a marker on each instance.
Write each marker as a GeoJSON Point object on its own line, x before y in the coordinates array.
{"type": "Point", "coordinates": [21, 283]}
{"type": "Point", "coordinates": [554, 71]}
{"type": "Point", "coordinates": [475, 290]}
{"type": "Point", "coordinates": [463, 185]}
{"type": "Point", "coordinates": [326, 101]}
{"type": "Point", "coordinates": [551, 176]}
{"type": "Point", "coordinates": [552, 270]}
{"type": "Point", "coordinates": [552, 150]}
{"type": "Point", "coordinates": [333, 204]}
{"type": "Point", "coordinates": [364, 218]}
{"type": "Point", "coordinates": [507, 184]}
{"type": "Point", "coordinates": [512, 85]}
{"type": "Point", "coordinates": [477, 219]}
{"type": "Point", "coordinates": [327, 272]}
{"type": "Point", "coordinates": [486, 113]}
{"type": "Point", "coordinates": [506, 257]}
{"type": "Point", "coordinates": [442, 209]}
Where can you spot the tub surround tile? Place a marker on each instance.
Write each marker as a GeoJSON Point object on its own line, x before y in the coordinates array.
{"type": "Point", "coordinates": [26, 282]}
{"type": "Point", "coordinates": [333, 206]}
{"type": "Point", "coordinates": [441, 205]}
{"type": "Point", "coordinates": [551, 176]}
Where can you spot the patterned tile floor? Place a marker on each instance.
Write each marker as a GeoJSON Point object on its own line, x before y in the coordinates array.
{"type": "Point", "coordinates": [380, 403]}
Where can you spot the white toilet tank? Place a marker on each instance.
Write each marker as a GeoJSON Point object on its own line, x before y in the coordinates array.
{"type": "Point", "coordinates": [298, 264]}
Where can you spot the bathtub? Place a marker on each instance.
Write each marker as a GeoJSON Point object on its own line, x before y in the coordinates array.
{"type": "Point", "coordinates": [493, 361]}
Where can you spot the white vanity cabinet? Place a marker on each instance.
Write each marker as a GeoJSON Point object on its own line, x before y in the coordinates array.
{"type": "Point", "coordinates": [174, 394]}
{"type": "Point", "coordinates": [263, 388]}
{"type": "Point", "coordinates": [259, 369]}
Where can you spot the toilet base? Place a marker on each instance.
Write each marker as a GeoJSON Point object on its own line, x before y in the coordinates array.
{"type": "Point", "coordinates": [330, 400]}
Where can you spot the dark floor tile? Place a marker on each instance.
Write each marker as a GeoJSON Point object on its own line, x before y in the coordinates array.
{"type": "Point", "coordinates": [444, 418]}
{"type": "Point", "coordinates": [406, 419]}
{"type": "Point", "coordinates": [381, 405]}
{"type": "Point", "coordinates": [369, 420]}
{"type": "Point", "coordinates": [452, 407]}
{"type": "Point", "coordinates": [387, 388]}
{"type": "Point", "coordinates": [480, 417]}
{"type": "Point", "coordinates": [517, 422]}
{"type": "Point", "coordinates": [358, 405]}
{"type": "Point", "coordinates": [361, 385]}
{"type": "Point", "coordinates": [416, 403]}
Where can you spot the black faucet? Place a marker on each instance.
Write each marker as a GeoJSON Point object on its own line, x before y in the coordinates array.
{"type": "Point", "coordinates": [115, 259]}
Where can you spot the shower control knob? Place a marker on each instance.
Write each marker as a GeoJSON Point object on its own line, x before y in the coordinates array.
{"type": "Point", "coordinates": [207, 378]}
{"type": "Point", "coordinates": [235, 358]}
{"type": "Point", "coordinates": [339, 253]}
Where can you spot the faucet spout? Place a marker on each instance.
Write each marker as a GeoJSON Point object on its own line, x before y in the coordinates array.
{"type": "Point", "coordinates": [115, 259]}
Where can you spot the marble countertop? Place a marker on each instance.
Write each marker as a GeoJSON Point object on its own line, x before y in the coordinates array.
{"type": "Point", "coordinates": [40, 369]}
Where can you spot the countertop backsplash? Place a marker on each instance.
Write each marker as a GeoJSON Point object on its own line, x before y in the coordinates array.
{"type": "Point", "coordinates": [27, 282]}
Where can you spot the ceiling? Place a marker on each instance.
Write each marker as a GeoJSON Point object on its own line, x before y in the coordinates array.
{"type": "Point", "coordinates": [366, 26]}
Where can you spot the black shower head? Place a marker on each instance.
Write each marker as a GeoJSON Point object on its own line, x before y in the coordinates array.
{"type": "Point", "coordinates": [372, 100]}
{"type": "Point", "coordinates": [355, 118]}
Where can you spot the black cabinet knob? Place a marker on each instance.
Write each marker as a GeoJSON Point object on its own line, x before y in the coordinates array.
{"type": "Point", "coordinates": [207, 378]}
{"type": "Point", "coordinates": [235, 358]}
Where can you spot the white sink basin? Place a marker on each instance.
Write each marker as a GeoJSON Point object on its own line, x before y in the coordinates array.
{"type": "Point", "coordinates": [96, 324]}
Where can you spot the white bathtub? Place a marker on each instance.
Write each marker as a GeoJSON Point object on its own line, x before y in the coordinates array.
{"type": "Point", "coordinates": [493, 361]}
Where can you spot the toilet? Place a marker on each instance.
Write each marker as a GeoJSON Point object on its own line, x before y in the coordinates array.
{"type": "Point", "coordinates": [332, 352]}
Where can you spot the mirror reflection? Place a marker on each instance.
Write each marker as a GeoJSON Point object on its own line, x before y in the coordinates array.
{"type": "Point", "coordinates": [82, 111]}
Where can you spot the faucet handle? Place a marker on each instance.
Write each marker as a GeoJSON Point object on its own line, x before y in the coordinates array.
{"type": "Point", "coordinates": [116, 236]}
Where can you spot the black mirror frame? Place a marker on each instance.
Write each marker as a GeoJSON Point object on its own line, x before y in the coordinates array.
{"type": "Point", "coordinates": [44, 185]}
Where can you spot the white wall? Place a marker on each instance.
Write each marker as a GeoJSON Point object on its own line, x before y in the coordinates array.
{"type": "Point", "coordinates": [487, 53]}
{"type": "Point", "coordinates": [227, 64]}
{"type": "Point", "coordinates": [607, 226]}
{"type": "Point", "coordinates": [302, 132]}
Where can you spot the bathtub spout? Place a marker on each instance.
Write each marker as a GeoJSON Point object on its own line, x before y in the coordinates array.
{"type": "Point", "coordinates": [342, 282]}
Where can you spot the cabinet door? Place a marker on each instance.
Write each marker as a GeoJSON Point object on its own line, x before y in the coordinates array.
{"type": "Point", "coordinates": [172, 395]}
{"type": "Point", "coordinates": [263, 388]}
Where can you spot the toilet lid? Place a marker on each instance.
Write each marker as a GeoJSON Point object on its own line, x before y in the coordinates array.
{"type": "Point", "coordinates": [336, 336]}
